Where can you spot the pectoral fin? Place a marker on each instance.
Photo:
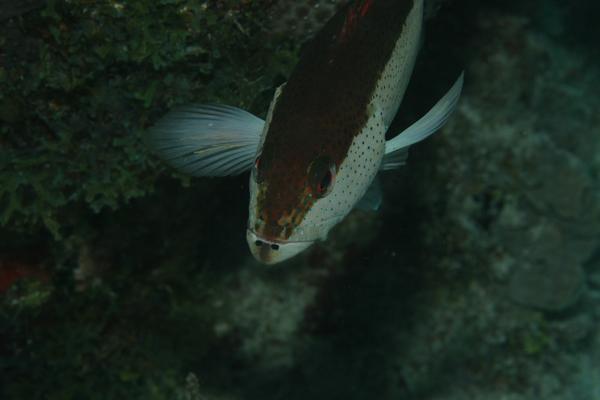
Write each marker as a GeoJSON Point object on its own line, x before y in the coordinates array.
{"type": "Point", "coordinates": [207, 140]}
{"type": "Point", "coordinates": [371, 200]}
{"type": "Point", "coordinates": [396, 149]}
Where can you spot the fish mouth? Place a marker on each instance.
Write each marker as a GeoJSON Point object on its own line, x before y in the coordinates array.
{"type": "Point", "coordinates": [272, 250]}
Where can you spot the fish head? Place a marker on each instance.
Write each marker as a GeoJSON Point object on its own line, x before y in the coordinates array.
{"type": "Point", "coordinates": [287, 208]}
{"type": "Point", "coordinates": [301, 188]}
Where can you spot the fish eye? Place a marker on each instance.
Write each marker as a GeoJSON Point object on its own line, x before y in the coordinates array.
{"type": "Point", "coordinates": [321, 176]}
{"type": "Point", "coordinates": [325, 183]}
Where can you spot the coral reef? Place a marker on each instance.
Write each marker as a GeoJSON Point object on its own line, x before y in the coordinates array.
{"type": "Point", "coordinates": [78, 85]}
{"type": "Point", "coordinates": [119, 278]}
{"type": "Point", "coordinates": [302, 19]}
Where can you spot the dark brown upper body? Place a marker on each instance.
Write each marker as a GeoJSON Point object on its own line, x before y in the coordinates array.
{"type": "Point", "coordinates": [323, 106]}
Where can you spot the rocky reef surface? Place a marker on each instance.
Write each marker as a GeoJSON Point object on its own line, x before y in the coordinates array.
{"type": "Point", "coordinates": [478, 279]}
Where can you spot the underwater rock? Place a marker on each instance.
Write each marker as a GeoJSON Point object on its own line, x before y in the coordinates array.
{"type": "Point", "coordinates": [549, 275]}
{"type": "Point", "coordinates": [594, 280]}
{"type": "Point", "coordinates": [551, 286]}
{"type": "Point", "coordinates": [556, 181]}
{"type": "Point", "coordinates": [92, 265]}
{"type": "Point", "coordinates": [302, 19]}
{"type": "Point", "coordinates": [193, 391]}
{"type": "Point", "coordinates": [521, 219]}
{"type": "Point", "coordinates": [267, 308]}
{"type": "Point", "coordinates": [593, 268]}
{"type": "Point", "coordinates": [11, 8]}
{"type": "Point", "coordinates": [356, 232]}
{"type": "Point", "coordinates": [574, 330]}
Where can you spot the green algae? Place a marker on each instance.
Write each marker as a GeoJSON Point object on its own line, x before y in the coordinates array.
{"type": "Point", "coordinates": [80, 82]}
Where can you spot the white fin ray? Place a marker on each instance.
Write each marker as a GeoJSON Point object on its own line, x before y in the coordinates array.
{"type": "Point", "coordinates": [228, 158]}
{"type": "Point", "coordinates": [394, 160]}
{"type": "Point", "coordinates": [235, 166]}
{"type": "Point", "coordinates": [208, 140]}
{"type": "Point", "coordinates": [396, 149]}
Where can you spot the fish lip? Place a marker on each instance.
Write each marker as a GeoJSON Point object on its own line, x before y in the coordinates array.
{"type": "Point", "coordinates": [272, 252]}
{"type": "Point", "coordinates": [276, 240]}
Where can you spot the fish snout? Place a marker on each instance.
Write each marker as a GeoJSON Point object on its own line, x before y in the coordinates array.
{"type": "Point", "coordinates": [273, 251]}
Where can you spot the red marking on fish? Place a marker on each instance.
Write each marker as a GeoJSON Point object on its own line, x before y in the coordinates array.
{"type": "Point", "coordinates": [364, 9]}
{"type": "Point", "coordinates": [348, 25]}
{"type": "Point", "coordinates": [352, 17]}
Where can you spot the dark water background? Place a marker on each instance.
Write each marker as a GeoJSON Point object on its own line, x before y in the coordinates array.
{"type": "Point", "coordinates": [479, 278]}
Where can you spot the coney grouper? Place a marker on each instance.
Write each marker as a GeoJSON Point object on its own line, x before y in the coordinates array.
{"type": "Point", "coordinates": [323, 141]}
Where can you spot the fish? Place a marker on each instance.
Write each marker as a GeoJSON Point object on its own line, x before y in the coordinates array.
{"type": "Point", "coordinates": [317, 154]}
